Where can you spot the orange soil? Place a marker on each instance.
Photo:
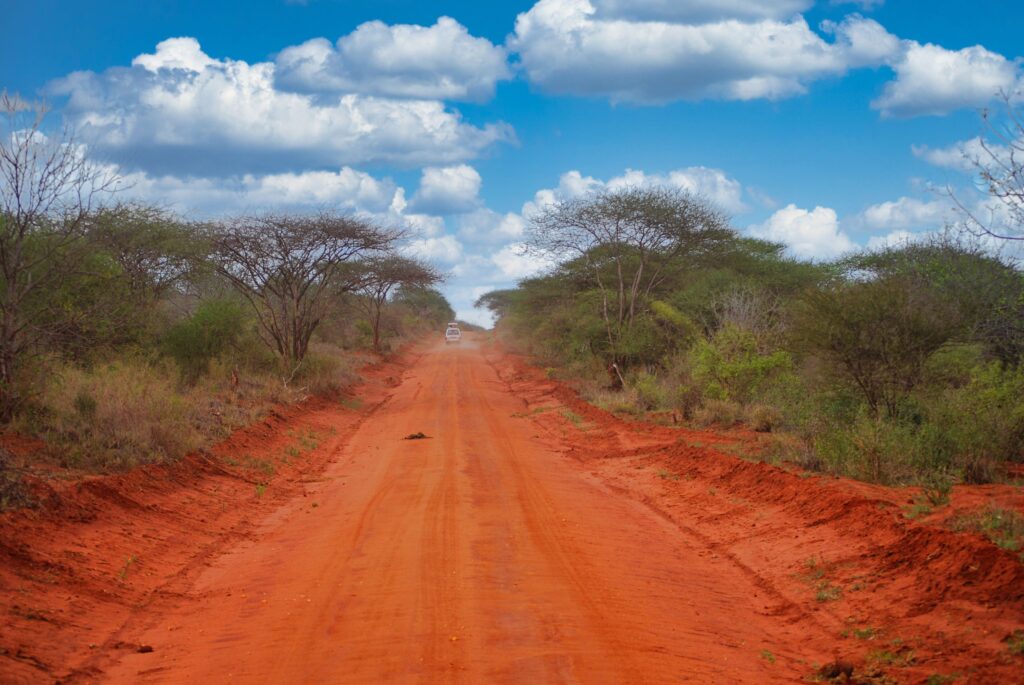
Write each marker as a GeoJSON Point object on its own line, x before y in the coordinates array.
{"type": "Point", "coordinates": [530, 538]}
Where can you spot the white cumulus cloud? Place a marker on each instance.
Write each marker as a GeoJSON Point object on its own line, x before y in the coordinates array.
{"type": "Point", "coordinates": [963, 155]}
{"type": "Point", "coordinates": [658, 51]}
{"type": "Point", "coordinates": [445, 249]}
{"type": "Point", "coordinates": [346, 189]}
{"type": "Point", "coordinates": [931, 80]}
{"type": "Point", "coordinates": [487, 226]}
{"type": "Point", "coordinates": [441, 62]}
{"type": "Point", "coordinates": [514, 263]}
{"type": "Point", "coordinates": [448, 190]}
{"type": "Point", "coordinates": [813, 234]}
{"type": "Point", "coordinates": [180, 111]}
{"type": "Point", "coordinates": [908, 212]}
{"type": "Point", "coordinates": [712, 184]}
{"type": "Point", "coordinates": [698, 11]}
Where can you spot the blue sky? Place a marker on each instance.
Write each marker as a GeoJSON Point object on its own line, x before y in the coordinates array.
{"type": "Point", "coordinates": [825, 125]}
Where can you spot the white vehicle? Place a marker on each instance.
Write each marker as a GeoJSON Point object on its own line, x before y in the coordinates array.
{"type": "Point", "coordinates": [452, 334]}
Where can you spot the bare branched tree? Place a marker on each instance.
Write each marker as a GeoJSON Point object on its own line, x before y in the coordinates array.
{"type": "Point", "coordinates": [630, 241]}
{"type": "Point", "coordinates": [382, 275]}
{"type": "Point", "coordinates": [749, 309]}
{"type": "Point", "coordinates": [1000, 169]}
{"type": "Point", "coordinates": [47, 189]}
{"type": "Point", "coordinates": [288, 267]}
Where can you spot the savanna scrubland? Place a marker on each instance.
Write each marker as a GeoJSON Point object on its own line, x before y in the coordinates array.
{"type": "Point", "coordinates": [899, 365]}
{"type": "Point", "coordinates": [130, 334]}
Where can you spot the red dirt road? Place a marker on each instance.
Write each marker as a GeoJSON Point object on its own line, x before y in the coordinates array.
{"type": "Point", "coordinates": [478, 555]}
{"type": "Point", "coordinates": [532, 539]}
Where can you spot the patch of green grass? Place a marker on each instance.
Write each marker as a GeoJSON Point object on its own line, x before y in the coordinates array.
{"type": "Point", "coordinates": [260, 489]}
{"type": "Point", "coordinates": [310, 440]}
{"type": "Point", "coordinates": [865, 633]}
{"type": "Point", "coordinates": [767, 656]}
{"type": "Point", "coordinates": [352, 403]}
{"type": "Point", "coordinates": [919, 508]}
{"type": "Point", "coordinates": [826, 592]}
{"type": "Point", "coordinates": [937, 489]}
{"type": "Point", "coordinates": [939, 679]}
{"type": "Point", "coordinates": [1015, 643]}
{"type": "Point", "coordinates": [815, 568]}
{"type": "Point", "coordinates": [127, 565]}
{"type": "Point", "coordinates": [573, 418]}
{"type": "Point", "coordinates": [889, 658]}
{"type": "Point", "coordinates": [1004, 527]}
{"type": "Point", "coordinates": [264, 466]}
{"type": "Point", "coordinates": [667, 475]}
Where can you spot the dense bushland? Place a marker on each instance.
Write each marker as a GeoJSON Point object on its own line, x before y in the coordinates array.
{"type": "Point", "coordinates": [898, 365]}
{"type": "Point", "coordinates": [129, 334]}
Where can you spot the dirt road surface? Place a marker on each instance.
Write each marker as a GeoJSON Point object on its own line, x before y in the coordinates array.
{"type": "Point", "coordinates": [531, 539]}
{"type": "Point", "coordinates": [476, 555]}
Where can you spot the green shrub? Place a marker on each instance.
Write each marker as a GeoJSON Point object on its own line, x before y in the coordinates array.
{"type": "Point", "coordinates": [326, 370]}
{"type": "Point", "coordinates": [974, 429]}
{"type": "Point", "coordinates": [763, 418]}
{"type": "Point", "coordinates": [214, 328]}
{"type": "Point", "coordinates": [871, 449]}
{"type": "Point", "coordinates": [729, 366]}
{"type": "Point", "coordinates": [722, 412]}
{"type": "Point", "coordinates": [649, 391]}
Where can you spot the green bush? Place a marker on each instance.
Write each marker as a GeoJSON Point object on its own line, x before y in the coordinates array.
{"type": "Point", "coordinates": [724, 413]}
{"type": "Point", "coordinates": [763, 418]}
{"type": "Point", "coordinates": [730, 367]}
{"type": "Point", "coordinates": [972, 430]}
{"type": "Point", "coordinates": [325, 370]}
{"type": "Point", "coordinates": [214, 328]}
{"type": "Point", "coordinates": [649, 391]}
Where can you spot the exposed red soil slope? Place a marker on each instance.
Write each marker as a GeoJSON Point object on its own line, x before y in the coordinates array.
{"type": "Point", "coordinates": [529, 538]}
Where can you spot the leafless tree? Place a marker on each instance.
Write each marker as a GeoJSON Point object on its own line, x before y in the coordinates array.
{"type": "Point", "coordinates": [289, 266]}
{"type": "Point", "coordinates": [382, 275]}
{"type": "Point", "coordinates": [752, 310]}
{"type": "Point", "coordinates": [629, 241]}
{"type": "Point", "coordinates": [1000, 169]}
{"type": "Point", "coordinates": [47, 189]}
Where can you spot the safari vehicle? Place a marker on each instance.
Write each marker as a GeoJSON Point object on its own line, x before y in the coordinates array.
{"type": "Point", "coordinates": [452, 333]}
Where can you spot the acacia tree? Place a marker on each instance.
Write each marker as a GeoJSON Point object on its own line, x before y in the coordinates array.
{"type": "Point", "coordinates": [155, 251]}
{"type": "Point", "coordinates": [47, 190]}
{"type": "Point", "coordinates": [629, 242]}
{"type": "Point", "coordinates": [381, 276]}
{"type": "Point", "coordinates": [289, 266]}
{"type": "Point", "coordinates": [877, 334]}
